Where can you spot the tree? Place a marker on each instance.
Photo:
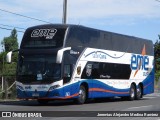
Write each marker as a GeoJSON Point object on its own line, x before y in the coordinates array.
{"type": "Point", "coordinates": [10, 43]}
{"type": "Point", "coordinates": [157, 54]}
{"type": "Point", "coordinates": [157, 58]}
{"type": "Point", "coordinates": [8, 71]}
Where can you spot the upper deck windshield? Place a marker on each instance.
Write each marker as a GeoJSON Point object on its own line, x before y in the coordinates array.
{"type": "Point", "coordinates": [43, 37]}
{"type": "Point", "coordinates": [38, 69]}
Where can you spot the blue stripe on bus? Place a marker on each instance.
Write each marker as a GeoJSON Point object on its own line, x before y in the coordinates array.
{"type": "Point", "coordinates": [96, 88]}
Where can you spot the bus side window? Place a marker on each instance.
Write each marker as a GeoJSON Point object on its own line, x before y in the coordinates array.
{"type": "Point", "coordinates": [67, 73]}
{"type": "Point", "coordinates": [87, 72]}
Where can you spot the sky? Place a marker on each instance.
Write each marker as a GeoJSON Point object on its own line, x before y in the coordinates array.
{"type": "Point", "coordinates": [139, 18]}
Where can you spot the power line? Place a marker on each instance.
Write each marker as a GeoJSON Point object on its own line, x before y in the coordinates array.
{"type": "Point", "coordinates": [25, 16]}
{"type": "Point", "coordinates": [10, 29]}
{"type": "Point", "coordinates": [13, 26]}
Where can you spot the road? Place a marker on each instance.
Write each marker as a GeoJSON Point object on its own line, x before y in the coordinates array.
{"type": "Point", "coordinates": [148, 103]}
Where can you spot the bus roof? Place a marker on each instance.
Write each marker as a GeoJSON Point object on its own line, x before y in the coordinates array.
{"type": "Point", "coordinates": [79, 35]}
{"type": "Point", "coordinates": [78, 26]}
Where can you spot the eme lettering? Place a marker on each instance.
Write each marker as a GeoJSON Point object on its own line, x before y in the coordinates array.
{"type": "Point", "coordinates": [48, 33]}
{"type": "Point", "coordinates": [139, 62]}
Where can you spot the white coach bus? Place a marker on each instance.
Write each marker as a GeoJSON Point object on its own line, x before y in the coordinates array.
{"type": "Point", "coordinates": [75, 62]}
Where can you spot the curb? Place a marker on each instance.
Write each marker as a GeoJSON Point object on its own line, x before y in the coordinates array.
{"type": "Point", "coordinates": [8, 100]}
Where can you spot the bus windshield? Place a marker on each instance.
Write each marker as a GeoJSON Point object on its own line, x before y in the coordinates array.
{"type": "Point", "coordinates": [38, 69]}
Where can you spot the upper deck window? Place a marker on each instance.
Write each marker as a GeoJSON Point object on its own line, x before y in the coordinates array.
{"type": "Point", "coordinates": [45, 37]}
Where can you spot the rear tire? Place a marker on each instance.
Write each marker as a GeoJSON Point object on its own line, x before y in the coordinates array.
{"type": "Point", "coordinates": [139, 93]}
{"type": "Point", "coordinates": [82, 95]}
{"type": "Point", "coordinates": [132, 93]}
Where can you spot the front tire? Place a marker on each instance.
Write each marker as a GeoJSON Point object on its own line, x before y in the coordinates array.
{"type": "Point", "coordinates": [139, 93]}
{"type": "Point", "coordinates": [82, 95]}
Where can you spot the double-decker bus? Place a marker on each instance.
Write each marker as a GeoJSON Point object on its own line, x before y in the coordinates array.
{"type": "Point", "coordinates": [58, 62]}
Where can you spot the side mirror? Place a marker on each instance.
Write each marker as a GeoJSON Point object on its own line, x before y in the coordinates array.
{"type": "Point", "coordinates": [60, 54]}
{"type": "Point", "coordinates": [9, 57]}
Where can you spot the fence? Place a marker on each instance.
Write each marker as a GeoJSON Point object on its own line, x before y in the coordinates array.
{"type": "Point", "coordinates": [158, 85]}
{"type": "Point", "coordinates": [7, 87]}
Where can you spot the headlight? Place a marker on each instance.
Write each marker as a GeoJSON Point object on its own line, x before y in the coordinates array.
{"type": "Point", "coordinates": [53, 87]}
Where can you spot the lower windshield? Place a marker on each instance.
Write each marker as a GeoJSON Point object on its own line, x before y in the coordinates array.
{"type": "Point", "coordinates": [38, 69]}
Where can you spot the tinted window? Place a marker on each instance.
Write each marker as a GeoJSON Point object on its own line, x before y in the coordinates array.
{"type": "Point", "coordinates": [67, 73]}
{"type": "Point", "coordinates": [38, 69]}
{"type": "Point", "coordinates": [114, 71]}
{"type": "Point", "coordinates": [82, 37]}
{"type": "Point", "coordinates": [106, 71]}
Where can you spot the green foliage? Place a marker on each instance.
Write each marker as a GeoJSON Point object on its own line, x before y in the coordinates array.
{"type": "Point", "coordinates": [2, 55]}
{"type": "Point", "coordinates": [10, 43]}
{"type": "Point", "coordinates": [157, 58]}
{"type": "Point", "coordinates": [157, 75]}
{"type": "Point", "coordinates": [8, 71]}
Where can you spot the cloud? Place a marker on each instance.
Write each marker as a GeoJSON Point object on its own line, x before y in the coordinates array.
{"type": "Point", "coordinates": [44, 9]}
{"type": "Point", "coordinates": [85, 8]}
{"type": "Point", "coordinates": [82, 11]}
{"type": "Point", "coordinates": [50, 10]}
{"type": "Point", "coordinates": [114, 12]}
{"type": "Point", "coordinates": [110, 8]}
{"type": "Point", "coordinates": [93, 13]}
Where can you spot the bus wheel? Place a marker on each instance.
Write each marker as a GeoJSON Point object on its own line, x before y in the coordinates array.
{"type": "Point", "coordinates": [42, 102]}
{"type": "Point", "coordinates": [132, 92]}
{"type": "Point", "coordinates": [139, 92]}
{"type": "Point", "coordinates": [82, 95]}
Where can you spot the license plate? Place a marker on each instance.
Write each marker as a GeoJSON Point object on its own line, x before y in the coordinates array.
{"type": "Point", "coordinates": [35, 94]}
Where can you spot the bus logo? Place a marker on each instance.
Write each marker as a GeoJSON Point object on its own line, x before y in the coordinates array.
{"type": "Point", "coordinates": [140, 62]}
{"type": "Point", "coordinates": [47, 33]}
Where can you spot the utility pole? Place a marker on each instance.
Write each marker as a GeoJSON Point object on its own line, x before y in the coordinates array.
{"type": "Point", "coordinates": [64, 12]}
{"type": "Point", "coordinates": [3, 69]}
